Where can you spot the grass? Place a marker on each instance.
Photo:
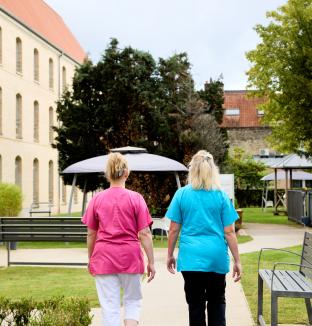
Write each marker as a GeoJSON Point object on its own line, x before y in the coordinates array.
{"type": "Point", "coordinates": [291, 311]}
{"type": "Point", "coordinates": [46, 282]}
{"type": "Point", "coordinates": [256, 215]}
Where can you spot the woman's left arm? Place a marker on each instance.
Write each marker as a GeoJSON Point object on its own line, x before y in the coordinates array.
{"type": "Point", "coordinates": [229, 232]}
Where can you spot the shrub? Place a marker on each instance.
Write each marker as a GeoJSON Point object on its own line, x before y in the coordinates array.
{"type": "Point", "coordinates": [10, 199]}
{"type": "Point", "coordinates": [58, 311]}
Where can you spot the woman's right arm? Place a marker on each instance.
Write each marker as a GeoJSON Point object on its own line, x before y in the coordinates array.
{"type": "Point", "coordinates": [174, 231]}
{"type": "Point", "coordinates": [91, 237]}
{"type": "Point", "coordinates": [229, 232]}
{"type": "Point", "coordinates": [146, 240]}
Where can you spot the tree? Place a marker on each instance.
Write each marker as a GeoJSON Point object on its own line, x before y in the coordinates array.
{"type": "Point", "coordinates": [247, 172]}
{"type": "Point", "coordinates": [213, 95]}
{"type": "Point", "coordinates": [281, 72]}
{"type": "Point", "coordinates": [128, 98]}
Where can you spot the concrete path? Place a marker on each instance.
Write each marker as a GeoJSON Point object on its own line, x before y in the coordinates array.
{"type": "Point", "coordinates": [164, 302]}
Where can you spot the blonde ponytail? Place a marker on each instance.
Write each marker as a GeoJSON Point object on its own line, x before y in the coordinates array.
{"type": "Point", "coordinates": [203, 173]}
{"type": "Point", "coordinates": [115, 167]}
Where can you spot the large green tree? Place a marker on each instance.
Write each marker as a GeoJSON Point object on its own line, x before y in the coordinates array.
{"type": "Point", "coordinates": [128, 98]}
{"type": "Point", "coordinates": [281, 72]}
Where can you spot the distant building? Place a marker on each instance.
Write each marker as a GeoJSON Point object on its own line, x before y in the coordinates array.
{"type": "Point", "coordinates": [38, 56]}
{"type": "Point", "coordinates": [242, 119]}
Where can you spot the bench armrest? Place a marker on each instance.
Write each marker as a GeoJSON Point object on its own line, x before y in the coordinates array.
{"type": "Point", "coordinates": [285, 263]}
{"type": "Point", "coordinates": [276, 249]}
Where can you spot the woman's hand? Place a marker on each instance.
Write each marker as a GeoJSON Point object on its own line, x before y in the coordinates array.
{"type": "Point", "coordinates": [150, 272]}
{"type": "Point", "coordinates": [171, 264]}
{"type": "Point", "coordinates": [237, 272]}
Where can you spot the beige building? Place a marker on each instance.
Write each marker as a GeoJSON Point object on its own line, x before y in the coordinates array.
{"type": "Point", "coordinates": [38, 55]}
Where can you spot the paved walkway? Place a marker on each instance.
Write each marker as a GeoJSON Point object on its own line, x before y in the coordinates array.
{"type": "Point", "coordinates": [164, 302]}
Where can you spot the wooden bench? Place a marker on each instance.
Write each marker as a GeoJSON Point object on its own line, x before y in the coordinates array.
{"type": "Point", "coordinates": [40, 208]}
{"type": "Point", "coordinates": [59, 229]}
{"type": "Point", "coordinates": [287, 283]}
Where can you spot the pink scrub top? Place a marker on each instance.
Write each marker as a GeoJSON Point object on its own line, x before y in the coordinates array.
{"type": "Point", "coordinates": [117, 214]}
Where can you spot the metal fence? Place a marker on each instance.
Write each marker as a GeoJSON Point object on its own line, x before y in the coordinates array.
{"type": "Point", "coordinates": [299, 206]}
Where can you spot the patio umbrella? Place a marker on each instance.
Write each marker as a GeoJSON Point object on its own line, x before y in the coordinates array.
{"type": "Point", "coordinates": [139, 160]}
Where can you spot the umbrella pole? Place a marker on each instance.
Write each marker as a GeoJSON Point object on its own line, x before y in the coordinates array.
{"type": "Point", "coordinates": [177, 179]}
{"type": "Point", "coordinates": [72, 193]}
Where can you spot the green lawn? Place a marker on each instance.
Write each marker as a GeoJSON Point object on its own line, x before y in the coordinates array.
{"type": "Point", "coordinates": [291, 311]}
{"type": "Point", "coordinates": [256, 215]}
{"type": "Point", "coordinates": [46, 282]}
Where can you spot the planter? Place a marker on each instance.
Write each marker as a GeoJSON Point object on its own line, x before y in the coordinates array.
{"type": "Point", "coordinates": [239, 222]}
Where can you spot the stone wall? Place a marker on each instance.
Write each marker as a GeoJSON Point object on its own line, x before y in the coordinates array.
{"type": "Point", "coordinates": [251, 140]}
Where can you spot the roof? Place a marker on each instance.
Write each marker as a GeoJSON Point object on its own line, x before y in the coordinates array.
{"type": "Point", "coordinates": [281, 175]}
{"type": "Point", "coordinates": [293, 161]}
{"type": "Point", "coordinates": [248, 116]}
{"type": "Point", "coordinates": [139, 161]}
{"type": "Point", "coordinates": [43, 20]}
{"type": "Point", "coordinates": [268, 160]}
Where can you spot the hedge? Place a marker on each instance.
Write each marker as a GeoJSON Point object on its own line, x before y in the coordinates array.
{"type": "Point", "coordinates": [58, 311]}
{"type": "Point", "coordinates": [10, 199]}
{"type": "Point", "coordinates": [253, 197]}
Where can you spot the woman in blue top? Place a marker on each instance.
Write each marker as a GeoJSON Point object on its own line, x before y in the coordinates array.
{"type": "Point", "coordinates": [205, 215]}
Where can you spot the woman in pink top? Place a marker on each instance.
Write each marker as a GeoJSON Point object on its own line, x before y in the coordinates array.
{"type": "Point", "coordinates": [118, 221]}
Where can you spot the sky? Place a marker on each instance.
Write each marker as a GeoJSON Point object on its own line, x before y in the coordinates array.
{"type": "Point", "coordinates": [216, 34]}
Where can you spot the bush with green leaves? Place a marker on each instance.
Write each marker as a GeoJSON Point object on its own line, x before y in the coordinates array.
{"type": "Point", "coordinates": [57, 311]}
{"type": "Point", "coordinates": [11, 199]}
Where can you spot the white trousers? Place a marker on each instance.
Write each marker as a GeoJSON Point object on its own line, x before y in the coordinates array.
{"type": "Point", "coordinates": [108, 290]}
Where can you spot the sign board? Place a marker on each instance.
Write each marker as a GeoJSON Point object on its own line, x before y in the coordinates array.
{"type": "Point", "coordinates": [227, 185]}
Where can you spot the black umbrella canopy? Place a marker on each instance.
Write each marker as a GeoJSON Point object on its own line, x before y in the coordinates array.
{"type": "Point", "coordinates": [138, 159]}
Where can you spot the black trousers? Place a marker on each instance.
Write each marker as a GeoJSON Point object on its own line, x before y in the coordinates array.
{"type": "Point", "coordinates": [205, 290]}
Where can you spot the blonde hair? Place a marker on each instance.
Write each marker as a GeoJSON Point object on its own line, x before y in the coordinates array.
{"type": "Point", "coordinates": [115, 167]}
{"type": "Point", "coordinates": [203, 173]}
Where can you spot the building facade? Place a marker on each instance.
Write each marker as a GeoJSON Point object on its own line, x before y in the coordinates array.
{"type": "Point", "coordinates": [38, 56]}
{"type": "Point", "coordinates": [242, 119]}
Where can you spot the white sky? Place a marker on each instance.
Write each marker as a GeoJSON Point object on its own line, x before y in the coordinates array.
{"type": "Point", "coordinates": [216, 34]}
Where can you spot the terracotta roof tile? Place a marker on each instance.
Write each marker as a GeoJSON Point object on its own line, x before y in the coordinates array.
{"type": "Point", "coordinates": [42, 19]}
{"type": "Point", "coordinates": [248, 110]}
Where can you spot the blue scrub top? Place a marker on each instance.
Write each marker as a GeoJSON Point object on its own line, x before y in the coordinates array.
{"type": "Point", "coordinates": [203, 214]}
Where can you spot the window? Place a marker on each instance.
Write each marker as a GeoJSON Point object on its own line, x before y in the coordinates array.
{"type": "Point", "coordinates": [0, 46]}
{"type": "Point", "coordinates": [64, 82]}
{"type": "Point", "coordinates": [51, 182]}
{"type": "Point", "coordinates": [232, 112]}
{"type": "Point", "coordinates": [36, 121]}
{"type": "Point", "coordinates": [308, 183]}
{"type": "Point", "coordinates": [51, 74]}
{"type": "Point", "coordinates": [19, 54]}
{"type": "Point", "coordinates": [63, 192]}
{"type": "Point", "coordinates": [1, 111]}
{"type": "Point", "coordinates": [296, 184]}
{"type": "Point", "coordinates": [51, 138]}
{"type": "Point", "coordinates": [36, 181]}
{"type": "Point", "coordinates": [19, 125]}
{"type": "Point", "coordinates": [36, 65]}
{"type": "Point", "coordinates": [18, 171]}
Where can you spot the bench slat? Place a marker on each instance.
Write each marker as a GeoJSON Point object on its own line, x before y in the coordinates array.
{"type": "Point", "coordinates": [303, 281]}
{"type": "Point", "coordinates": [266, 275]}
{"type": "Point", "coordinates": [43, 233]}
{"type": "Point", "coordinates": [289, 283]}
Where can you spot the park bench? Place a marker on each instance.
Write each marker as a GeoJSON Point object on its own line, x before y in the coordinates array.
{"type": "Point", "coordinates": [59, 229]}
{"type": "Point", "coordinates": [287, 283]}
{"type": "Point", "coordinates": [40, 208]}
